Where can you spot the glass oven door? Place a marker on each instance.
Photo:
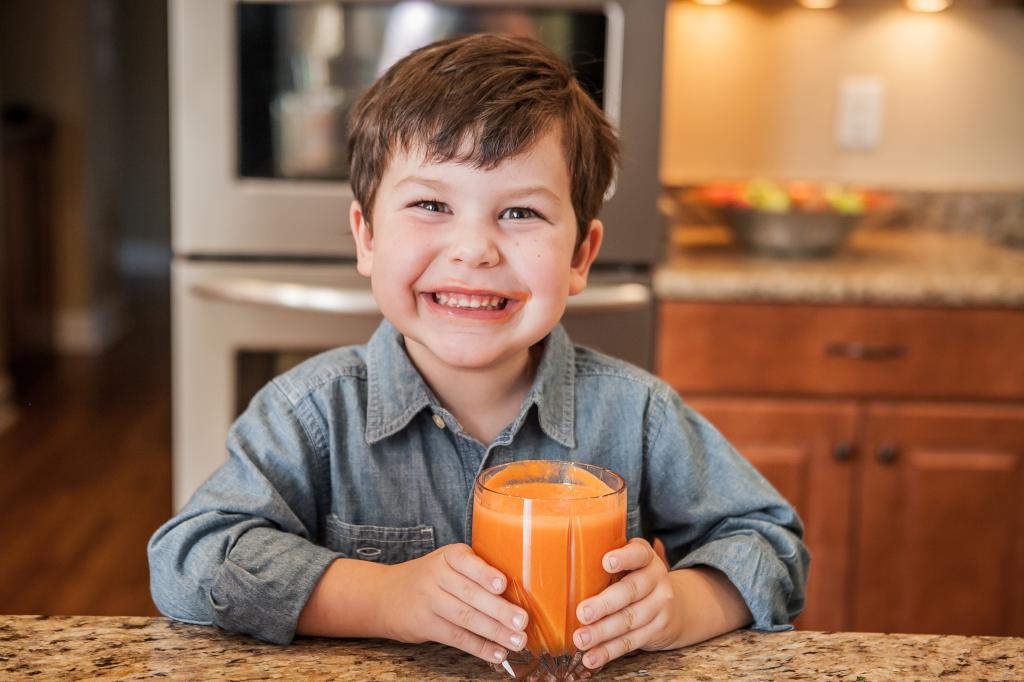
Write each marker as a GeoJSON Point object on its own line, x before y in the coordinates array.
{"type": "Point", "coordinates": [238, 325]}
{"type": "Point", "coordinates": [301, 67]}
{"type": "Point", "coordinates": [235, 327]}
{"type": "Point", "coordinates": [261, 91]}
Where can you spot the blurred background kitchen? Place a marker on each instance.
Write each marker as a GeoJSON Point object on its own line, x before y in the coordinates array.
{"type": "Point", "coordinates": [822, 250]}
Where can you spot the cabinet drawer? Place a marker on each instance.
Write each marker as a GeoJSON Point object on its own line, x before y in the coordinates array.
{"type": "Point", "coordinates": [840, 350]}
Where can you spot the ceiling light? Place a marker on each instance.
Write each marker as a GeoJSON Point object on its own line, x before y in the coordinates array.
{"type": "Point", "coordinates": [818, 4]}
{"type": "Point", "coordinates": [711, 2]}
{"type": "Point", "coordinates": [928, 5]}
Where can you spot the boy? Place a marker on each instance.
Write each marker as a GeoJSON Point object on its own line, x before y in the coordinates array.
{"type": "Point", "coordinates": [478, 166]}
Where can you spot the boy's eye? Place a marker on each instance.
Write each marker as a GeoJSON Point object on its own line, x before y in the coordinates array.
{"type": "Point", "coordinates": [519, 213]}
{"type": "Point", "coordinates": [432, 206]}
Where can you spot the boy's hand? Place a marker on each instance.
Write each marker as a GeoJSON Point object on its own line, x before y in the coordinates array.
{"type": "Point", "coordinates": [452, 596]}
{"type": "Point", "coordinates": [638, 612]}
{"type": "Point", "coordinates": [653, 608]}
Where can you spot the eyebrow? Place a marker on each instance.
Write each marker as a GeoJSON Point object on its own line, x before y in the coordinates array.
{"type": "Point", "coordinates": [536, 189]}
{"type": "Point", "coordinates": [517, 192]}
{"type": "Point", "coordinates": [420, 180]}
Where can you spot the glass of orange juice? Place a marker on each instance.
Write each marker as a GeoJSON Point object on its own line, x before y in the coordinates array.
{"type": "Point", "coordinates": [546, 525]}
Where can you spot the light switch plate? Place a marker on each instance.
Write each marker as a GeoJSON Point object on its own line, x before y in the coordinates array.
{"type": "Point", "coordinates": [859, 114]}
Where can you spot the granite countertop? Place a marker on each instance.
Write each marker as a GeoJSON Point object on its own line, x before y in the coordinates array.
{"type": "Point", "coordinates": [876, 266]}
{"type": "Point", "coordinates": [128, 648]}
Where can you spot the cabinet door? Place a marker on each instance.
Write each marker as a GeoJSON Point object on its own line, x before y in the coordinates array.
{"type": "Point", "coordinates": [942, 520]}
{"type": "Point", "coordinates": [805, 448]}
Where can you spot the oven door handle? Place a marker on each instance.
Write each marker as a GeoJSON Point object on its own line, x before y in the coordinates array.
{"type": "Point", "coordinates": [289, 295]}
{"type": "Point", "coordinates": [359, 301]}
{"type": "Point", "coordinates": [609, 298]}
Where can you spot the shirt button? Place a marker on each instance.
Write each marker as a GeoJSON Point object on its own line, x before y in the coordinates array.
{"type": "Point", "coordinates": [438, 421]}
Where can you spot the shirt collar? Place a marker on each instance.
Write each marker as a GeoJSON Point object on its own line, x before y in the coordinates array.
{"type": "Point", "coordinates": [553, 390]}
{"type": "Point", "coordinates": [397, 392]}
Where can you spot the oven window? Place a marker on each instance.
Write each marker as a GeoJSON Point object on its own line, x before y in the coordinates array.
{"type": "Point", "coordinates": [303, 65]}
{"type": "Point", "coordinates": [254, 369]}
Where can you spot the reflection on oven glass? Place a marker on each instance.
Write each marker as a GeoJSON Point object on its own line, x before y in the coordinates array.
{"type": "Point", "coordinates": [303, 65]}
{"type": "Point", "coordinates": [254, 369]}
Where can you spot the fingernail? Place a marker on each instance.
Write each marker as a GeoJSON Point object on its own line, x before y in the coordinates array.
{"type": "Point", "coordinates": [517, 639]}
{"type": "Point", "coordinates": [613, 563]}
{"type": "Point", "coordinates": [498, 584]}
{"type": "Point", "coordinates": [590, 660]}
{"type": "Point", "coordinates": [588, 613]}
{"type": "Point", "coordinates": [499, 655]}
{"type": "Point", "coordinates": [519, 621]}
{"type": "Point", "coordinates": [584, 638]}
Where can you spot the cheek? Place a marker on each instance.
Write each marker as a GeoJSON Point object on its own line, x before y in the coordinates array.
{"type": "Point", "coordinates": [408, 256]}
{"type": "Point", "coordinates": [545, 267]}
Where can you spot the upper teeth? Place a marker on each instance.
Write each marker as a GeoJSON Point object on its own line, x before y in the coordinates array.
{"type": "Point", "coordinates": [470, 301]}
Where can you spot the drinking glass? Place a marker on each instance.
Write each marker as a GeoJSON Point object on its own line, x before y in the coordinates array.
{"type": "Point", "coordinates": [546, 525]}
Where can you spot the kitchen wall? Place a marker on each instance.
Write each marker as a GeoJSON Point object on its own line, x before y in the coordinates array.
{"type": "Point", "coordinates": [98, 69]}
{"type": "Point", "coordinates": [752, 89]}
{"type": "Point", "coordinates": [59, 58]}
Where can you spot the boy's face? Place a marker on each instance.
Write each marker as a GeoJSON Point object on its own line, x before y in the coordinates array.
{"type": "Point", "coordinates": [474, 266]}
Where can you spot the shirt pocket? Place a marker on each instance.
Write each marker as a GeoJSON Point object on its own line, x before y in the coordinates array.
{"type": "Point", "coordinates": [382, 544]}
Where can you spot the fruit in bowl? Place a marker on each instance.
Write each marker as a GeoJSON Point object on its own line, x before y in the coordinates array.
{"type": "Point", "coordinates": [791, 220]}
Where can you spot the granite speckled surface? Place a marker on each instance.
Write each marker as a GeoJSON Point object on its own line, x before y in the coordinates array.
{"type": "Point", "coordinates": [131, 648]}
{"type": "Point", "coordinates": [887, 267]}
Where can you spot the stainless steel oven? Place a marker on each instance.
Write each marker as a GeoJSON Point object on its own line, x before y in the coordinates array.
{"type": "Point", "coordinates": [264, 270]}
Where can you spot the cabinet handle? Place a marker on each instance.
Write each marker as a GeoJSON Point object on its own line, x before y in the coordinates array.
{"type": "Point", "coordinates": [842, 452]}
{"type": "Point", "coordinates": [854, 350]}
{"type": "Point", "coordinates": [887, 454]}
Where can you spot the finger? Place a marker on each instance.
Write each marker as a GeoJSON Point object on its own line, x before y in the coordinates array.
{"type": "Point", "coordinates": [464, 616]}
{"type": "Point", "coordinates": [451, 634]}
{"type": "Point", "coordinates": [659, 549]}
{"type": "Point", "coordinates": [462, 559]}
{"type": "Point", "coordinates": [636, 554]}
{"type": "Point", "coordinates": [509, 618]}
{"type": "Point", "coordinates": [633, 617]}
{"type": "Point", "coordinates": [620, 646]}
{"type": "Point", "coordinates": [634, 587]}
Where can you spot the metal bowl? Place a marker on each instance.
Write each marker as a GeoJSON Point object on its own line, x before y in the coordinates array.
{"type": "Point", "coordinates": [790, 235]}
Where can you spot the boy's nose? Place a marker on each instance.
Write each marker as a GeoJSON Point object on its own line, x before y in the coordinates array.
{"type": "Point", "coordinates": [474, 246]}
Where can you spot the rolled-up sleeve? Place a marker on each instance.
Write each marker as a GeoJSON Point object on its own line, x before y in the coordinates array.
{"type": "Point", "coordinates": [710, 507]}
{"type": "Point", "coordinates": [242, 553]}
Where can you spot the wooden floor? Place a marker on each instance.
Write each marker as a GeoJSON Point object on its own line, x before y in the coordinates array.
{"type": "Point", "coordinates": [85, 474]}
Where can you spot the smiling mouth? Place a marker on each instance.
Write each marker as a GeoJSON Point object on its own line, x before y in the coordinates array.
{"type": "Point", "coordinates": [469, 301]}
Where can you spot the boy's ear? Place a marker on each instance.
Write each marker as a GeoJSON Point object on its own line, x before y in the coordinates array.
{"type": "Point", "coordinates": [363, 235]}
{"type": "Point", "coordinates": [585, 254]}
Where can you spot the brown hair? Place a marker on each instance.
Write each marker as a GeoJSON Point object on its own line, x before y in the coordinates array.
{"type": "Point", "coordinates": [501, 93]}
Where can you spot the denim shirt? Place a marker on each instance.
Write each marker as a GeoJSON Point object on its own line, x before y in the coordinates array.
{"type": "Point", "coordinates": [350, 454]}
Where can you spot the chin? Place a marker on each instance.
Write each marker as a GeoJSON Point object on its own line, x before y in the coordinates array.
{"type": "Point", "coordinates": [470, 358]}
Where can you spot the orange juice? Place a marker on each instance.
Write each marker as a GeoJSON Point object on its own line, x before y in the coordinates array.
{"type": "Point", "coordinates": [547, 525]}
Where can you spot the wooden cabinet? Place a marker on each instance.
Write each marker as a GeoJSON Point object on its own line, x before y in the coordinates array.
{"type": "Point", "coordinates": [941, 520]}
{"type": "Point", "coordinates": [804, 448]}
{"type": "Point", "coordinates": [914, 507]}
{"type": "Point", "coordinates": [732, 348]}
